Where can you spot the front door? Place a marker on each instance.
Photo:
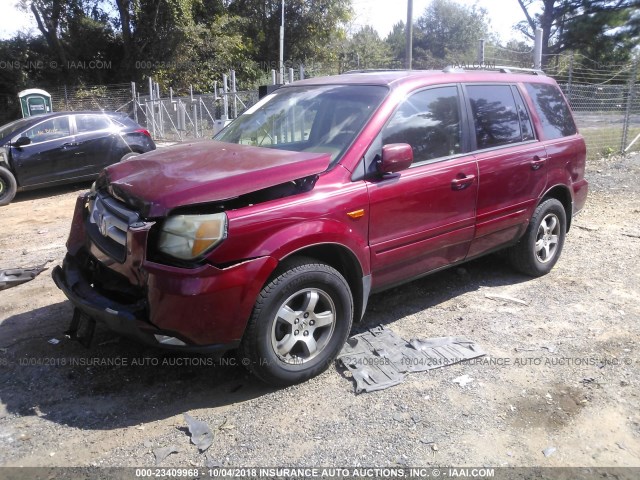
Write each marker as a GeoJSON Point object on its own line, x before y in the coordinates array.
{"type": "Point", "coordinates": [51, 155]}
{"type": "Point", "coordinates": [423, 218]}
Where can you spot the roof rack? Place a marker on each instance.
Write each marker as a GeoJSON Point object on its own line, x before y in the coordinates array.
{"type": "Point", "coordinates": [498, 68]}
{"type": "Point", "coordinates": [374, 70]}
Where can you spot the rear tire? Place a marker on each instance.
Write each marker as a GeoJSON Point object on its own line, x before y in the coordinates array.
{"type": "Point", "coordinates": [299, 324]}
{"type": "Point", "coordinates": [539, 248]}
{"type": "Point", "coordinates": [8, 186]}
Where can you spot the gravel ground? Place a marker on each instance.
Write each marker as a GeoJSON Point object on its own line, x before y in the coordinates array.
{"type": "Point", "coordinates": [561, 371]}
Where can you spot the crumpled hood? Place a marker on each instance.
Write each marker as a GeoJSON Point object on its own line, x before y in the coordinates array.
{"type": "Point", "coordinates": [205, 171]}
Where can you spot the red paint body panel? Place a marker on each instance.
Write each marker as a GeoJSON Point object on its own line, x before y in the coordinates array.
{"type": "Point", "coordinates": [284, 226]}
{"type": "Point", "coordinates": [207, 306]}
{"type": "Point", "coordinates": [200, 172]}
{"type": "Point", "coordinates": [419, 222]}
{"type": "Point", "coordinates": [509, 191]}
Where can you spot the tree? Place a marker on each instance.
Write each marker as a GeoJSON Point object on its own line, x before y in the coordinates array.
{"type": "Point", "coordinates": [206, 52]}
{"type": "Point", "coordinates": [184, 42]}
{"type": "Point", "coordinates": [448, 32]}
{"type": "Point", "coordinates": [396, 40]}
{"type": "Point", "coordinates": [514, 53]}
{"type": "Point", "coordinates": [607, 24]}
{"type": "Point", "coordinates": [366, 50]}
{"type": "Point", "coordinates": [50, 16]}
{"type": "Point", "coordinates": [75, 32]}
{"type": "Point", "coordinates": [311, 26]}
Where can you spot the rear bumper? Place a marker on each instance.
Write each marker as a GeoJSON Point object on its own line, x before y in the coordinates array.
{"type": "Point", "coordinates": [125, 319]}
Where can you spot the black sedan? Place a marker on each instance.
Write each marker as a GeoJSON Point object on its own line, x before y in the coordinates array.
{"type": "Point", "coordinates": [65, 147]}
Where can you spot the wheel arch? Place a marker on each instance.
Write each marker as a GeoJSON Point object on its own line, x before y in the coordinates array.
{"type": "Point", "coordinates": [563, 194]}
{"type": "Point", "coordinates": [344, 260]}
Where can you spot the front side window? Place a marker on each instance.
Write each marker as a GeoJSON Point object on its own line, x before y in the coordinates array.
{"type": "Point", "coordinates": [50, 130]}
{"type": "Point", "coordinates": [322, 119]}
{"type": "Point", "coordinates": [10, 128]}
{"type": "Point", "coordinates": [495, 116]}
{"type": "Point", "coordinates": [429, 121]}
{"type": "Point", "coordinates": [552, 109]}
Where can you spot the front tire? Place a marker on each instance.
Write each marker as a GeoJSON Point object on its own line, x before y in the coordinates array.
{"type": "Point", "coordinates": [300, 322]}
{"type": "Point", "coordinates": [8, 186]}
{"type": "Point", "coordinates": [539, 249]}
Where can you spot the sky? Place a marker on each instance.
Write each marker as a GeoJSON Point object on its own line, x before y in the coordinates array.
{"type": "Point", "coordinates": [381, 14]}
{"type": "Point", "coordinates": [14, 20]}
{"type": "Point", "coordinates": [384, 14]}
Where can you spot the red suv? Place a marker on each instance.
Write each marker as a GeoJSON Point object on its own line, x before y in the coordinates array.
{"type": "Point", "coordinates": [271, 238]}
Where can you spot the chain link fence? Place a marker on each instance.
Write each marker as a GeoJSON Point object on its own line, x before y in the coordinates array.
{"type": "Point", "coordinates": [65, 98]}
{"type": "Point", "coordinates": [194, 116]}
{"type": "Point", "coordinates": [116, 98]}
{"type": "Point", "coordinates": [604, 101]}
{"type": "Point", "coordinates": [604, 97]}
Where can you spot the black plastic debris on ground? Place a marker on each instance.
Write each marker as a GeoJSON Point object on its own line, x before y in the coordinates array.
{"type": "Point", "coordinates": [201, 434]}
{"type": "Point", "coordinates": [379, 359]}
{"type": "Point", "coordinates": [164, 452]}
{"type": "Point", "coordinates": [17, 276]}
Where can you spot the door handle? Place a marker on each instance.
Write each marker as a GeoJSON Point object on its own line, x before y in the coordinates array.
{"type": "Point", "coordinates": [537, 162]}
{"type": "Point", "coordinates": [69, 144]}
{"type": "Point", "coordinates": [462, 183]}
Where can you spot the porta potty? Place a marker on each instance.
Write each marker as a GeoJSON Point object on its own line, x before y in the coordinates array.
{"type": "Point", "coordinates": [34, 102]}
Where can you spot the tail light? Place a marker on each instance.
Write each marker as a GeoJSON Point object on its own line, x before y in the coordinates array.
{"type": "Point", "coordinates": [144, 131]}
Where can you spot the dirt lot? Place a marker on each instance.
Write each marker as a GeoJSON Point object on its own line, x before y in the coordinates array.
{"type": "Point", "coordinates": [564, 370]}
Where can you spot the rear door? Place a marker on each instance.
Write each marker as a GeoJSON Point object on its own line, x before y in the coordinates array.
{"type": "Point", "coordinates": [511, 164]}
{"type": "Point", "coordinates": [97, 141]}
{"type": "Point", "coordinates": [51, 155]}
{"type": "Point", "coordinates": [423, 218]}
{"type": "Point", "coordinates": [566, 153]}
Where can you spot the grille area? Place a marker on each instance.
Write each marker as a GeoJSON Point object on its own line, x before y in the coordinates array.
{"type": "Point", "coordinates": [107, 224]}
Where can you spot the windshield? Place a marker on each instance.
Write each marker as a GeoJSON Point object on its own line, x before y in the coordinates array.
{"type": "Point", "coordinates": [324, 119]}
{"type": "Point", "coordinates": [10, 128]}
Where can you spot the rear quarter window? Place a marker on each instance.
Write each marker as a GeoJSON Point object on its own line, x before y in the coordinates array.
{"type": "Point", "coordinates": [552, 109]}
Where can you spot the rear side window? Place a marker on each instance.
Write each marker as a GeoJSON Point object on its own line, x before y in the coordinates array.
{"type": "Point", "coordinates": [495, 115]}
{"type": "Point", "coordinates": [91, 123]}
{"type": "Point", "coordinates": [429, 121]}
{"type": "Point", "coordinates": [552, 109]}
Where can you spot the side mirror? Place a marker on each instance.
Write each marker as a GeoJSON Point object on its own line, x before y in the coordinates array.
{"type": "Point", "coordinates": [395, 157]}
{"type": "Point", "coordinates": [22, 141]}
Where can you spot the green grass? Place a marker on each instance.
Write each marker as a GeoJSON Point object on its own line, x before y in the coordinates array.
{"type": "Point", "coordinates": [605, 141]}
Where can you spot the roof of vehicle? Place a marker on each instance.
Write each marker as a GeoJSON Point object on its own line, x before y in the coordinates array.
{"type": "Point", "coordinates": [79, 112]}
{"type": "Point", "coordinates": [28, 122]}
{"type": "Point", "coordinates": [395, 78]}
{"type": "Point", "coordinates": [31, 91]}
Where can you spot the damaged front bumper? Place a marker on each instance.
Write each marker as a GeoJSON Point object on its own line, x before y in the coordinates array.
{"type": "Point", "coordinates": [205, 308]}
{"type": "Point", "coordinates": [127, 320]}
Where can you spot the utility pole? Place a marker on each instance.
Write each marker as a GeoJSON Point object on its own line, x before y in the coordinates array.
{"type": "Point", "coordinates": [282, 46]}
{"type": "Point", "coordinates": [537, 50]}
{"type": "Point", "coordinates": [409, 33]}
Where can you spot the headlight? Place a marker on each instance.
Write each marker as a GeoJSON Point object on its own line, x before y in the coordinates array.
{"type": "Point", "coordinates": [190, 236]}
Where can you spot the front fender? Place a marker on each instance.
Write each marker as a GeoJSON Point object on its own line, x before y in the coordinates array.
{"type": "Point", "coordinates": [299, 236]}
